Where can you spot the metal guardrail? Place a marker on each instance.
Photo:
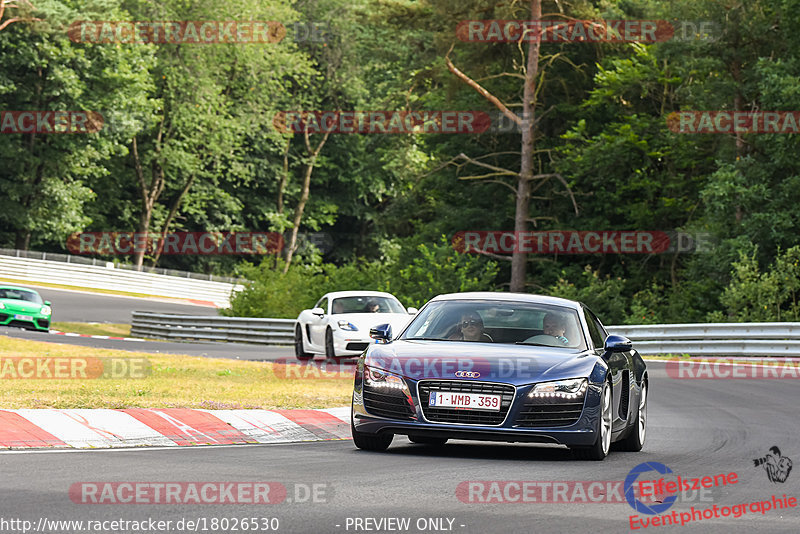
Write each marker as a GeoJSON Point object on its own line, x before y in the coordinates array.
{"type": "Point", "coordinates": [714, 339]}
{"type": "Point", "coordinates": [707, 339]}
{"type": "Point", "coordinates": [83, 260]}
{"type": "Point", "coordinates": [107, 276]}
{"type": "Point", "coordinates": [210, 328]}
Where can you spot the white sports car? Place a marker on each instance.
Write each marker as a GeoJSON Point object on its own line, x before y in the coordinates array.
{"type": "Point", "coordinates": [338, 325]}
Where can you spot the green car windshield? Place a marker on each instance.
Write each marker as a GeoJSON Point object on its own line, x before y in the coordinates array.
{"type": "Point", "coordinates": [19, 294]}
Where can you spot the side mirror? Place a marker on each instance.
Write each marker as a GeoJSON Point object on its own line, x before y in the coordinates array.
{"type": "Point", "coordinates": [412, 311]}
{"type": "Point", "coordinates": [382, 332]}
{"type": "Point", "coordinates": [616, 343]}
{"type": "Point", "coordinates": [318, 311]}
{"type": "Point", "coordinates": [47, 303]}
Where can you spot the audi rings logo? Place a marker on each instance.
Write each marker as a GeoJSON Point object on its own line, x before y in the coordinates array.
{"type": "Point", "coordinates": [467, 374]}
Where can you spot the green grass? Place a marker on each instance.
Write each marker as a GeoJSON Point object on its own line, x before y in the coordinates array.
{"type": "Point", "coordinates": [93, 329]}
{"type": "Point", "coordinates": [175, 381]}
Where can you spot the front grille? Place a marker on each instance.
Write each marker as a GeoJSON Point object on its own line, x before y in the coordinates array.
{"type": "Point", "coordinates": [357, 346]}
{"type": "Point", "coordinates": [43, 323]}
{"type": "Point", "coordinates": [465, 417]}
{"type": "Point", "coordinates": [20, 324]}
{"type": "Point", "coordinates": [3, 317]}
{"type": "Point", "coordinates": [550, 412]}
{"type": "Point", "coordinates": [391, 403]}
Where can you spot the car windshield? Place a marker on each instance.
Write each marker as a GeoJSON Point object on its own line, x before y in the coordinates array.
{"type": "Point", "coordinates": [507, 322]}
{"type": "Point", "coordinates": [20, 294]}
{"type": "Point", "coordinates": [366, 304]}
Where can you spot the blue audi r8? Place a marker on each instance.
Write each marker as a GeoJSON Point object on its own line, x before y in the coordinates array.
{"type": "Point", "coordinates": [501, 367]}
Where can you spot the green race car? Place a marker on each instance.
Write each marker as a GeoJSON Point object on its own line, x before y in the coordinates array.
{"type": "Point", "coordinates": [24, 308]}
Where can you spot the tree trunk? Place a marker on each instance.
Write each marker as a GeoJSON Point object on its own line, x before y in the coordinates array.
{"type": "Point", "coordinates": [172, 212]}
{"type": "Point", "coordinates": [22, 239]}
{"type": "Point", "coordinates": [284, 176]}
{"type": "Point", "coordinates": [149, 193]}
{"type": "Point", "coordinates": [301, 205]}
{"type": "Point", "coordinates": [521, 213]}
{"type": "Point", "coordinates": [144, 224]}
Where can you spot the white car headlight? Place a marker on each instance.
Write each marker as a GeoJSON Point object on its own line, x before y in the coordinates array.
{"type": "Point", "coordinates": [564, 389]}
{"type": "Point", "coordinates": [2, 306]}
{"type": "Point", "coordinates": [46, 310]}
{"type": "Point", "coordinates": [347, 325]}
{"type": "Point", "coordinates": [376, 378]}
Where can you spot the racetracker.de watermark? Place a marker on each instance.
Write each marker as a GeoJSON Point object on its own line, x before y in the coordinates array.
{"type": "Point", "coordinates": [728, 122]}
{"type": "Point", "coordinates": [176, 32]}
{"type": "Point", "coordinates": [724, 369]}
{"type": "Point", "coordinates": [383, 122]}
{"type": "Point", "coordinates": [208, 492]}
{"type": "Point", "coordinates": [563, 492]}
{"type": "Point", "coordinates": [415, 368]}
{"type": "Point", "coordinates": [290, 369]}
{"type": "Point", "coordinates": [580, 242]}
{"type": "Point", "coordinates": [75, 368]}
{"type": "Point", "coordinates": [50, 122]}
{"type": "Point", "coordinates": [584, 31]}
{"type": "Point", "coordinates": [175, 243]}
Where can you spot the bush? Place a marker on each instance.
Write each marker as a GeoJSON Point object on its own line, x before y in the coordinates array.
{"type": "Point", "coordinates": [604, 296]}
{"type": "Point", "coordinates": [753, 296]}
{"type": "Point", "coordinates": [440, 269]}
{"type": "Point", "coordinates": [434, 269]}
{"type": "Point", "coordinates": [271, 293]}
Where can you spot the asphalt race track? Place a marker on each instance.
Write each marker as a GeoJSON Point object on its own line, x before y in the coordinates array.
{"type": "Point", "coordinates": [241, 351]}
{"type": "Point", "coordinates": [86, 307]}
{"type": "Point", "coordinates": [696, 427]}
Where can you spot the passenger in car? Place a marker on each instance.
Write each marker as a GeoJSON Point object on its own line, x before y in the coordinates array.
{"type": "Point", "coordinates": [555, 325]}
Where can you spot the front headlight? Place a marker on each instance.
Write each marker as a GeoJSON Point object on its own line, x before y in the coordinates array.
{"type": "Point", "coordinates": [563, 389]}
{"type": "Point", "coordinates": [376, 378]}
{"type": "Point", "coordinates": [46, 310]}
{"type": "Point", "coordinates": [2, 306]}
{"type": "Point", "coordinates": [347, 325]}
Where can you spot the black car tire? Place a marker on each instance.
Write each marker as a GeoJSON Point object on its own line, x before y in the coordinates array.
{"type": "Point", "coordinates": [635, 440]}
{"type": "Point", "coordinates": [330, 352]}
{"type": "Point", "coordinates": [299, 347]}
{"type": "Point", "coordinates": [424, 440]}
{"type": "Point", "coordinates": [370, 442]}
{"type": "Point", "coordinates": [599, 450]}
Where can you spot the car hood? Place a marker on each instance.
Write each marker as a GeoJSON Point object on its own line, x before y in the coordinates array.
{"type": "Point", "coordinates": [365, 321]}
{"type": "Point", "coordinates": [514, 364]}
{"type": "Point", "coordinates": [20, 306]}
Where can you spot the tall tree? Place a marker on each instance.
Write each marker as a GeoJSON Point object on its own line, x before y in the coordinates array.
{"type": "Point", "coordinates": [209, 99]}
{"type": "Point", "coordinates": [528, 177]}
{"type": "Point", "coordinates": [46, 179]}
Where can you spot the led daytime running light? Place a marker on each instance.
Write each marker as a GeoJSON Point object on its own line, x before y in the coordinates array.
{"type": "Point", "coordinates": [379, 379]}
{"type": "Point", "coordinates": [559, 390]}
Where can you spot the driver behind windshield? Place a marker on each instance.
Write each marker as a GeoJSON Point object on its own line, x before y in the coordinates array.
{"type": "Point", "coordinates": [470, 328]}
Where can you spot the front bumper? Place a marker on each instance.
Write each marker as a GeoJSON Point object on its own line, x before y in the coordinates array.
{"type": "Point", "coordinates": [37, 322]}
{"type": "Point", "coordinates": [582, 432]}
{"type": "Point", "coordinates": [350, 343]}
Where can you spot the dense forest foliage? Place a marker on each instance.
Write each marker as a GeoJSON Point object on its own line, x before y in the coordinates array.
{"type": "Point", "coordinates": [189, 143]}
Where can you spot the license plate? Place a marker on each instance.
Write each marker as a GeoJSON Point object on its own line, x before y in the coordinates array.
{"type": "Point", "coordinates": [464, 401]}
{"type": "Point", "coordinates": [23, 317]}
